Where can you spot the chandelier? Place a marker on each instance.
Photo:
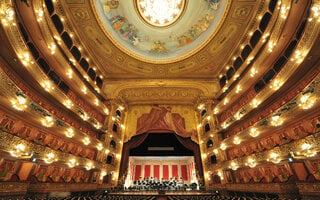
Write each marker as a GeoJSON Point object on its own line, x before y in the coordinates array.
{"type": "Point", "coordinates": [160, 13]}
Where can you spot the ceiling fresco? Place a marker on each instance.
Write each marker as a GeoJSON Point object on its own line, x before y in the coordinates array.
{"type": "Point", "coordinates": [125, 54]}
{"type": "Point", "coordinates": [172, 30]}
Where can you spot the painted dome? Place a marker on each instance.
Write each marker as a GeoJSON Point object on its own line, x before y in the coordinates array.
{"type": "Point", "coordinates": [160, 13]}
{"type": "Point", "coordinates": [160, 31]}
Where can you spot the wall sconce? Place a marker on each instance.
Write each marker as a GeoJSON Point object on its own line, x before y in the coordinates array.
{"type": "Point", "coordinates": [238, 115]}
{"type": "Point", "coordinates": [253, 72]}
{"type": "Point", "coordinates": [225, 125]}
{"type": "Point", "coordinates": [69, 73]}
{"type": "Point", "coordinates": [84, 116]}
{"type": "Point", "coordinates": [50, 158]}
{"type": "Point", "coordinates": [89, 166]}
{"type": "Point", "coordinates": [47, 121]}
{"type": "Point", "coordinates": [25, 59]}
{"type": "Point", "coordinates": [107, 151]}
{"type": "Point", "coordinates": [236, 140]}
{"type": "Point", "coordinates": [19, 151]}
{"type": "Point", "coordinates": [276, 120]}
{"type": "Point", "coordinates": [238, 89]}
{"type": "Point", "coordinates": [47, 86]}
{"type": "Point", "coordinates": [307, 151]}
{"type": "Point", "coordinates": [223, 146]}
{"type": "Point", "coordinates": [234, 166]}
{"type": "Point", "coordinates": [106, 111]}
{"type": "Point", "coordinates": [20, 103]}
{"type": "Point", "coordinates": [102, 174]}
{"type": "Point", "coordinates": [255, 103]}
{"type": "Point", "coordinates": [114, 175]}
{"type": "Point", "coordinates": [199, 126]}
{"type": "Point", "coordinates": [97, 125]}
{"type": "Point", "coordinates": [208, 175]}
{"type": "Point", "coordinates": [86, 141]}
{"type": "Point", "coordinates": [216, 111]}
{"type": "Point", "coordinates": [84, 90]}
{"type": "Point", "coordinates": [96, 102]}
{"type": "Point", "coordinates": [226, 101]}
{"type": "Point", "coordinates": [201, 106]}
{"type": "Point", "coordinates": [99, 146]}
{"type": "Point", "coordinates": [215, 151]}
{"type": "Point", "coordinates": [7, 16]}
{"type": "Point", "coordinates": [121, 108]}
{"type": "Point", "coordinates": [72, 163]}
{"type": "Point", "coordinates": [276, 84]}
{"type": "Point", "coordinates": [307, 101]}
{"type": "Point", "coordinates": [68, 103]}
{"type": "Point", "coordinates": [251, 162]}
{"type": "Point", "coordinates": [254, 132]}
{"type": "Point", "coordinates": [274, 157]}
{"type": "Point", "coordinates": [220, 174]}
{"type": "Point", "coordinates": [69, 133]}
{"type": "Point", "coordinates": [52, 48]}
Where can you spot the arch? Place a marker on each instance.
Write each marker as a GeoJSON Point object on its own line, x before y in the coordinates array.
{"type": "Point", "coordinates": [207, 127]}
{"type": "Point", "coordinates": [115, 128]}
{"type": "Point", "coordinates": [113, 144]}
{"type": "Point", "coordinates": [118, 113]}
{"type": "Point", "coordinates": [137, 140]}
{"type": "Point", "coordinates": [209, 143]}
{"type": "Point", "coordinates": [110, 159]}
{"type": "Point", "coordinates": [203, 112]}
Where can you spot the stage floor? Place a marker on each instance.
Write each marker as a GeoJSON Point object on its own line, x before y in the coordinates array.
{"type": "Point", "coordinates": [166, 193]}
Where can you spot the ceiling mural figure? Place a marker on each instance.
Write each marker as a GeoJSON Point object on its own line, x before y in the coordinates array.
{"type": "Point", "coordinates": [160, 29]}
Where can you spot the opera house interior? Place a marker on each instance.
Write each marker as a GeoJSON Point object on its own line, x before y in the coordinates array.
{"type": "Point", "coordinates": [160, 99]}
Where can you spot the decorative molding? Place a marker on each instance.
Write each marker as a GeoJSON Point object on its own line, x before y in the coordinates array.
{"type": "Point", "coordinates": [13, 188]}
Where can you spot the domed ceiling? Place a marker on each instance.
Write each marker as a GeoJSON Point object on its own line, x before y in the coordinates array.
{"type": "Point", "coordinates": [160, 31]}
{"type": "Point", "coordinates": [161, 49]}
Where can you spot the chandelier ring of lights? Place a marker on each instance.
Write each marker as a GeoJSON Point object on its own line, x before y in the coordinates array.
{"type": "Point", "coordinates": [160, 13]}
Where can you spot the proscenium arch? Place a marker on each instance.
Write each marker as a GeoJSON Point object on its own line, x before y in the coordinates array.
{"type": "Point", "coordinates": [137, 140]}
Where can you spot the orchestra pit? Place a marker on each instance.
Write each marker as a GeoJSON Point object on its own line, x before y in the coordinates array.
{"type": "Point", "coordinates": [159, 99]}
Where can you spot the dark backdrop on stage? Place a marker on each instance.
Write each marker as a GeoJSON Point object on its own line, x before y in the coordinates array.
{"type": "Point", "coordinates": [133, 146]}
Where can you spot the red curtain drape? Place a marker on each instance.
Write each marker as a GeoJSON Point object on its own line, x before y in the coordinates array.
{"type": "Point", "coordinates": [147, 171]}
{"type": "Point", "coordinates": [184, 172]}
{"type": "Point", "coordinates": [175, 171]}
{"type": "Point", "coordinates": [189, 144]}
{"type": "Point", "coordinates": [165, 172]}
{"type": "Point", "coordinates": [156, 171]}
{"type": "Point", "coordinates": [133, 143]}
{"type": "Point", "coordinates": [138, 172]}
{"type": "Point", "coordinates": [161, 118]}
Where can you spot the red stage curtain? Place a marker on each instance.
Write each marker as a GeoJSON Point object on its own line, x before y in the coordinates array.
{"type": "Point", "coordinates": [147, 171]}
{"type": "Point", "coordinates": [175, 171]}
{"type": "Point", "coordinates": [165, 172]}
{"type": "Point", "coordinates": [189, 144]}
{"type": "Point", "coordinates": [133, 143]}
{"type": "Point", "coordinates": [184, 172]}
{"type": "Point", "coordinates": [156, 171]}
{"type": "Point", "coordinates": [161, 118]}
{"type": "Point", "coordinates": [138, 172]}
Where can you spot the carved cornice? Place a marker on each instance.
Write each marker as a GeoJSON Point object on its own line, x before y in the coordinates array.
{"type": "Point", "coordinates": [278, 188]}
{"type": "Point", "coordinates": [309, 188]}
{"type": "Point", "coordinates": [160, 95]}
{"type": "Point", "coordinates": [13, 188]}
{"type": "Point", "coordinates": [61, 187]}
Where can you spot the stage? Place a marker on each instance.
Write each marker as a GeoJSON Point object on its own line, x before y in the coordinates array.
{"type": "Point", "coordinates": [161, 173]}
